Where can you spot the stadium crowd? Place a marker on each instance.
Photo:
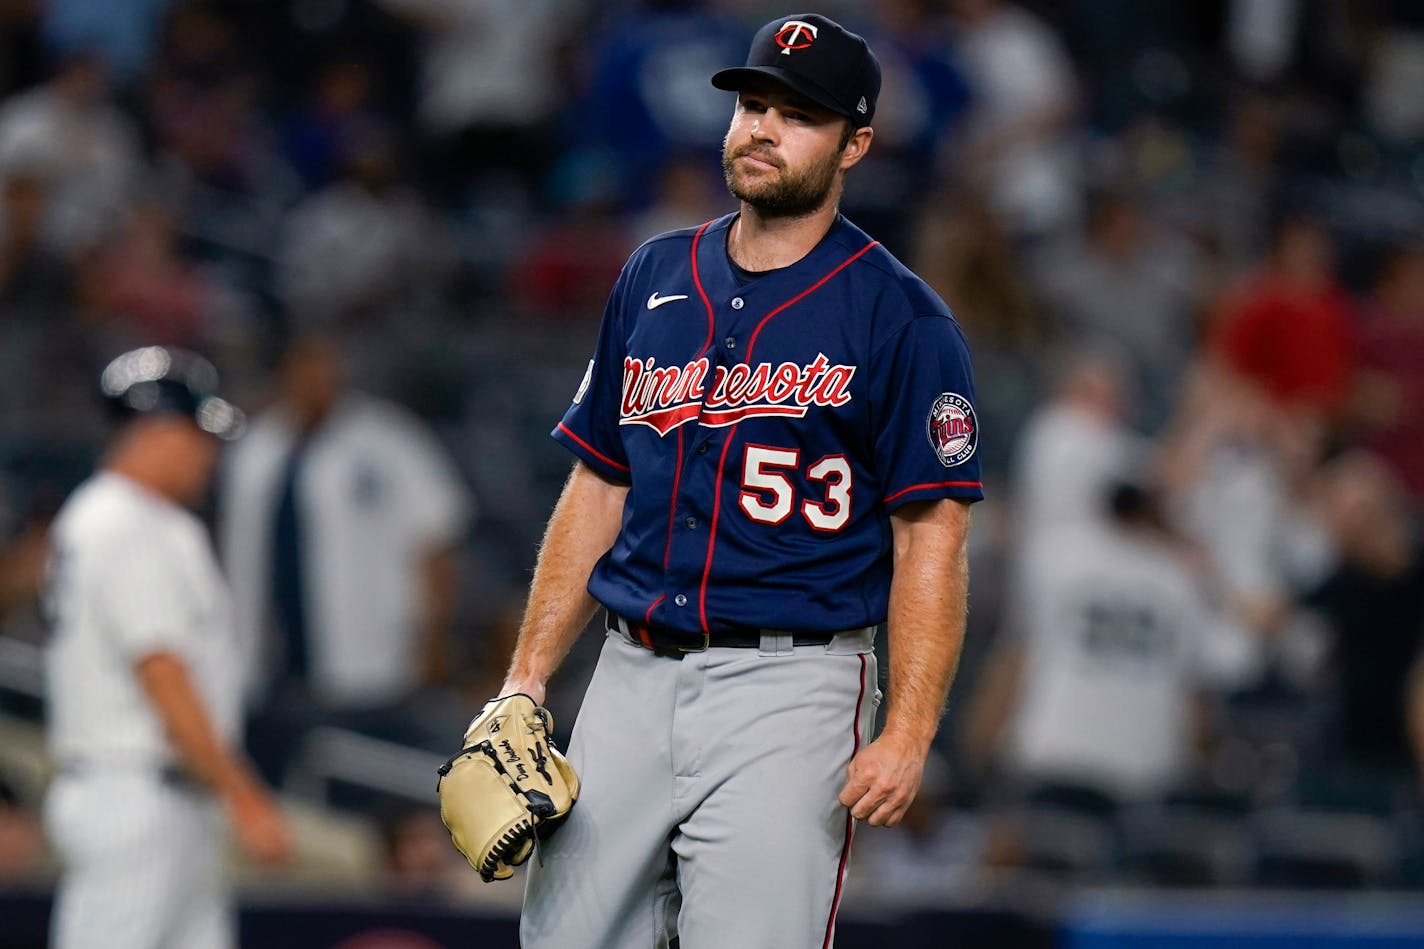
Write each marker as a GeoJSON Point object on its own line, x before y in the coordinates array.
{"type": "Point", "coordinates": [1186, 242]}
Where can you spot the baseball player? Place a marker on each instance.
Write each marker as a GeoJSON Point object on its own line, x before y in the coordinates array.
{"type": "Point", "coordinates": [143, 679]}
{"type": "Point", "coordinates": [775, 446]}
{"type": "Point", "coordinates": [1096, 682]}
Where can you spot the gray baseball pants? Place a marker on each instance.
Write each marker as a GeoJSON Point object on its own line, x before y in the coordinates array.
{"type": "Point", "coordinates": [709, 809]}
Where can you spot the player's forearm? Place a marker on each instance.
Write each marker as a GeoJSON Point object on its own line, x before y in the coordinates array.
{"type": "Point", "coordinates": [583, 526]}
{"type": "Point", "coordinates": [927, 611]}
{"type": "Point", "coordinates": [165, 681]}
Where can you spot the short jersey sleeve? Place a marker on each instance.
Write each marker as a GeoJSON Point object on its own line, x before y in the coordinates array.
{"type": "Point", "coordinates": [142, 596]}
{"type": "Point", "coordinates": [926, 435]}
{"type": "Point", "coordinates": [589, 428]}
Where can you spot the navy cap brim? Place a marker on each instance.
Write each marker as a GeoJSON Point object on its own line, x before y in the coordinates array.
{"type": "Point", "coordinates": [733, 79]}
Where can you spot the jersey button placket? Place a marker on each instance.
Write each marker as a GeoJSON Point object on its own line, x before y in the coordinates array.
{"type": "Point", "coordinates": [680, 600]}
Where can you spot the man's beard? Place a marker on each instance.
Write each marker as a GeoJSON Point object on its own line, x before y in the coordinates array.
{"type": "Point", "coordinates": [792, 194]}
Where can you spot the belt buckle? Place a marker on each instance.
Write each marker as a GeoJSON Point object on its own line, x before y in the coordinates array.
{"type": "Point", "coordinates": [706, 640]}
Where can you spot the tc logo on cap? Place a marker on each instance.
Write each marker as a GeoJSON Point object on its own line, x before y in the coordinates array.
{"type": "Point", "coordinates": [792, 34]}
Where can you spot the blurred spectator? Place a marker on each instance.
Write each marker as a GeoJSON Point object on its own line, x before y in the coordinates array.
{"type": "Point", "coordinates": [646, 94]}
{"type": "Point", "coordinates": [1234, 466]}
{"type": "Point", "coordinates": [1395, 73]}
{"type": "Point", "coordinates": [340, 520]}
{"type": "Point", "coordinates": [121, 31]}
{"type": "Point", "coordinates": [203, 100]}
{"type": "Point", "coordinates": [924, 96]}
{"type": "Point", "coordinates": [34, 277]}
{"type": "Point", "coordinates": [363, 248]}
{"type": "Point", "coordinates": [20, 47]}
{"type": "Point", "coordinates": [88, 149]}
{"type": "Point", "coordinates": [1313, 47]}
{"type": "Point", "coordinates": [570, 261]}
{"type": "Point", "coordinates": [964, 253]}
{"type": "Point", "coordinates": [139, 287]}
{"type": "Point", "coordinates": [689, 192]}
{"type": "Point", "coordinates": [324, 135]}
{"type": "Point", "coordinates": [216, 156]}
{"type": "Point", "coordinates": [1133, 286]}
{"type": "Point", "coordinates": [1288, 329]}
{"type": "Point", "coordinates": [1134, 56]}
{"type": "Point", "coordinates": [1374, 601]}
{"type": "Point", "coordinates": [1074, 448]}
{"type": "Point", "coordinates": [199, 50]}
{"type": "Point", "coordinates": [489, 85]}
{"type": "Point", "coordinates": [42, 346]}
{"type": "Point", "coordinates": [1097, 681]}
{"type": "Point", "coordinates": [1389, 394]}
{"type": "Point", "coordinates": [418, 859]}
{"type": "Point", "coordinates": [1019, 145]}
{"type": "Point", "coordinates": [1229, 207]}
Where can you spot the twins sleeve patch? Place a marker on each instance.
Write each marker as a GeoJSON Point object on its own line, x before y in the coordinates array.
{"type": "Point", "coordinates": [953, 430]}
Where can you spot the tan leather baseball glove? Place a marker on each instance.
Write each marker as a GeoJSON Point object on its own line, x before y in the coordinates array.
{"type": "Point", "coordinates": [506, 786]}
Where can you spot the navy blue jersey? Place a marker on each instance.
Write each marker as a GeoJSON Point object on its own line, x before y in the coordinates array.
{"type": "Point", "coordinates": [766, 428]}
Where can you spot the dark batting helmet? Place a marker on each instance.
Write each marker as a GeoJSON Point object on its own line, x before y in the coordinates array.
{"type": "Point", "coordinates": [170, 381]}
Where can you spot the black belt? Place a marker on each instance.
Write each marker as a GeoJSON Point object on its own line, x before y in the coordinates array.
{"type": "Point", "coordinates": [675, 643]}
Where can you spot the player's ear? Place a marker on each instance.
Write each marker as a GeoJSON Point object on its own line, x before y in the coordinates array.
{"type": "Point", "coordinates": [857, 143]}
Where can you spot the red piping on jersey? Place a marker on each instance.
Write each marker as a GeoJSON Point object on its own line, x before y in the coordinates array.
{"type": "Point", "coordinates": [591, 450]}
{"type": "Point", "coordinates": [938, 484]}
{"type": "Point", "coordinates": [672, 504]}
{"type": "Point", "coordinates": [812, 288]}
{"type": "Point", "coordinates": [644, 635]}
{"type": "Point", "coordinates": [722, 462]}
{"type": "Point", "coordinates": [697, 282]}
{"type": "Point", "coordinates": [712, 534]}
{"type": "Point", "coordinates": [672, 518]}
{"type": "Point", "coordinates": [677, 471]}
{"type": "Point", "coordinates": [850, 821]}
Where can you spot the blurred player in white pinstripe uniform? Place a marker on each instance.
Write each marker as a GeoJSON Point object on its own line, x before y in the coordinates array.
{"type": "Point", "coordinates": [143, 680]}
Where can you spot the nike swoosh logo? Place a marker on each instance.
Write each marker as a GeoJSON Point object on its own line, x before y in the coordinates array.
{"type": "Point", "coordinates": [656, 301]}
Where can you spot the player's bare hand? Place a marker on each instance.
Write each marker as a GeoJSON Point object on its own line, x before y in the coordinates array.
{"type": "Point", "coordinates": [883, 779]}
{"type": "Point", "coordinates": [262, 832]}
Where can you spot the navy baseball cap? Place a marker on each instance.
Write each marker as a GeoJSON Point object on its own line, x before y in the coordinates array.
{"type": "Point", "coordinates": [170, 381]}
{"type": "Point", "coordinates": [818, 58]}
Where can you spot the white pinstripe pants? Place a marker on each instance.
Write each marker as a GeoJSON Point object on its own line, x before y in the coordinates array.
{"type": "Point", "coordinates": [142, 864]}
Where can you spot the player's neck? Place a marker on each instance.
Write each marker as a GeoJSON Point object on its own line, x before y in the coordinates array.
{"type": "Point", "coordinates": [145, 465]}
{"type": "Point", "coordinates": [142, 476]}
{"type": "Point", "coordinates": [756, 242]}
